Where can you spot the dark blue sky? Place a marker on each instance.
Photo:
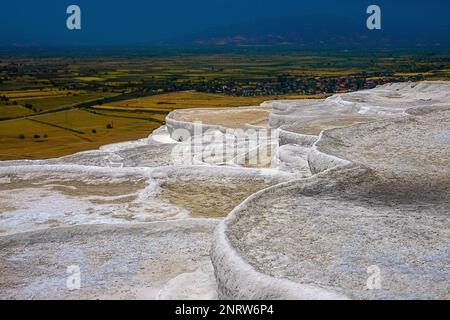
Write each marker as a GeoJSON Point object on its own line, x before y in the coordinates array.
{"type": "Point", "coordinates": [141, 21]}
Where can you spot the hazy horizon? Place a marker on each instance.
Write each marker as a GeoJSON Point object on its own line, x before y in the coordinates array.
{"type": "Point", "coordinates": [27, 23]}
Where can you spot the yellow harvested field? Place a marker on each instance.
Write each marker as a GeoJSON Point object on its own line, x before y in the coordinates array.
{"type": "Point", "coordinates": [124, 113]}
{"type": "Point", "coordinates": [28, 94]}
{"type": "Point", "coordinates": [412, 74]}
{"type": "Point", "coordinates": [89, 78]}
{"type": "Point", "coordinates": [29, 148]}
{"type": "Point", "coordinates": [13, 111]}
{"type": "Point", "coordinates": [187, 100]}
{"type": "Point", "coordinates": [55, 102]}
{"type": "Point", "coordinates": [67, 132]}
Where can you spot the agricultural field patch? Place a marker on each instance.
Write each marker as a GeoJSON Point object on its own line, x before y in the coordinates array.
{"type": "Point", "coordinates": [57, 95]}
{"type": "Point", "coordinates": [50, 103]}
{"type": "Point", "coordinates": [64, 133]}
{"type": "Point", "coordinates": [12, 111]}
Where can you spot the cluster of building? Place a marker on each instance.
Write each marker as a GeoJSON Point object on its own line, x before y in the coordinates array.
{"type": "Point", "coordinates": [304, 86]}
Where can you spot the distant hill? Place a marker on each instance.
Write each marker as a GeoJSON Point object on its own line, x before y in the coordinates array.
{"type": "Point", "coordinates": [313, 32]}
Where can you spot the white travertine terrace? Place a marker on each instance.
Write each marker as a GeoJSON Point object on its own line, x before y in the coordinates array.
{"type": "Point", "coordinates": [355, 180]}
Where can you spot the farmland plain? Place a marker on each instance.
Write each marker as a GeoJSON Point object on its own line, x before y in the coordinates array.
{"type": "Point", "coordinates": [52, 106]}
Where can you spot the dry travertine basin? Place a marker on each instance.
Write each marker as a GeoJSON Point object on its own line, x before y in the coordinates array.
{"type": "Point", "coordinates": [391, 210]}
{"type": "Point", "coordinates": [309, 238]}
{"type": "Point", "coordinates": [417, 144]}
{"type": "Point", "coordinates": [223, 117]}
{"type": "Point", "coordinates": [316, 126]}
{"type": "Point", "coordinates": [123, 257]}
{"type": "Point", "coordinates": [214, 199]}
{"type": "Point", "coordinates": [311, 117]}
{"type": "Point", "coordinates": [161, 260]}
{"type": "Point", "coordinates": [327, 233]}
{"type": "Point", "coordinates": [39, 197]}
{"type": "Point", "coordinates": [212, 192]}
{"type": "Point", "coordinates": [223, 130]}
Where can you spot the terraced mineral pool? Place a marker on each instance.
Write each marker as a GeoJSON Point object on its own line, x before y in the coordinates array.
{"type": "Point", "coordinates": [262, 160]}
{"type": "Point", "coordinates": [226, 118]}
{"type": "Point", "coordinates": [316, 126]}
{"type": "Point", "coordinates": [45, 201]}
{"type": "Point", "coordinates": [208, 199]}
{"type": "Point", "coordinates": [76, 188]}
{"type": "Point", "coordinates": [329, 233]}
{"type": "Point", "coordinates": [167, 260]}
{"type": "Point", "coordinates": [410, 144]}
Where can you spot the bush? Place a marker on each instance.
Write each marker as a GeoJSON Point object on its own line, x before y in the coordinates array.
{"type": "Point", "coordinates": [36, 136]}
{"type": "Point", "coordinates": [109, 126]}
{"type": "Point", "coordinates": [45, 136]}
{"type": "Point", "coordinates": [21, 137]}
{"type": "Point", "coordinates": [94, 131]}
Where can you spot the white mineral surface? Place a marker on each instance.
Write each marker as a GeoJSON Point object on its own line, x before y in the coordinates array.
{"type": "Point", "coordinates": [350, 184]}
